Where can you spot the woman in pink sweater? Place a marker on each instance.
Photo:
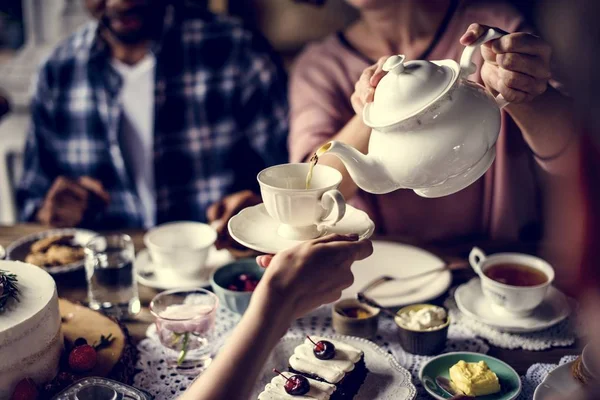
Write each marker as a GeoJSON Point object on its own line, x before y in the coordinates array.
{"type": "Point", "coordinates": [537, 152]}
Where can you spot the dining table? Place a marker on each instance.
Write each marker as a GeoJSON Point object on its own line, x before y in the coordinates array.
{"type": "Point", "coordinates": [72, 285]}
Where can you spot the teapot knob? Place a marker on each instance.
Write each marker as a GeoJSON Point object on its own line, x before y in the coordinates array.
{"type": "Point", "coordinates": [394, 64]}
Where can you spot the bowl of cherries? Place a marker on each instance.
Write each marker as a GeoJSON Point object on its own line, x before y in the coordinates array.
{"type": "Point", "coordinates": [234, 283]}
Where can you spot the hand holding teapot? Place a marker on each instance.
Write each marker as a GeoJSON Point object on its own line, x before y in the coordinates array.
{"type": "Point", "coordinates": [517, 66]}
{"type": "Point", "coordinates": [433, 130]}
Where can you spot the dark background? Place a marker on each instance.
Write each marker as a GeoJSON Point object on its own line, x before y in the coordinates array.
{"type": "Point", "coordinates": [11, 17]}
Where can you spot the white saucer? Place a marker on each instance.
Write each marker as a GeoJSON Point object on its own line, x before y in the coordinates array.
{"type": "Point", "coordinates": [254, 228]}
{"type": "Point", "coordinates": [471, 302]}
{"type": "Point", "coordinates": [148, 275]}
{"type": "Point", "coordinates": [558, 384]}
{"type": "Point", "coordinates": [400, 261]}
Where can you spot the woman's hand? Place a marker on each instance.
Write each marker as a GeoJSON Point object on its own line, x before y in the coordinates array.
{"type": "Point", "coordinates": [311, 274]}
{"type": "Point", "coordinates": [296, 281]}
{"type": "Point", "coordinates": [517, 65]}
{"type": "Point", "coordinates": [364, 89]}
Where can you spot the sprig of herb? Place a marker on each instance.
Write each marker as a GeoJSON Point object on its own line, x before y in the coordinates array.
{"type": "Point", "coordinates": [184, 348]}
{"type": "Point", "coordinates": [105, 341]}
{"type": "Point", "coordinates": [8, 288]}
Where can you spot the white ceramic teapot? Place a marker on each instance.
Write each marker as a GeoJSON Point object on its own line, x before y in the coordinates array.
{"type": "Point", "coordinates": [433, 130]}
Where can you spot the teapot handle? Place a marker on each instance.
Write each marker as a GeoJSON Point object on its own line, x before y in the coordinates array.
{"type": "Point", "coordinates": [467, 67]}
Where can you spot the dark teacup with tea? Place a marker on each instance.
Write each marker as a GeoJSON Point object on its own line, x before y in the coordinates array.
{"type": "Point", "coordinates": [514, 283]}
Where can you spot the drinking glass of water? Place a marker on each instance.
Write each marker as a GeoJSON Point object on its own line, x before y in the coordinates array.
{"type": "Point", "coordinates": [109, 269]}
{"type": "Point", "coordinates": [185, 322]}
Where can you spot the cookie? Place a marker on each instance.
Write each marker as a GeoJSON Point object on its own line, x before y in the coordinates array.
{"type": "Point", "coordinates": [63, 255]}
{"type": "Point", "coordinates": [38, 259]}
{"type": "Point", "coordinates": [42, 245]}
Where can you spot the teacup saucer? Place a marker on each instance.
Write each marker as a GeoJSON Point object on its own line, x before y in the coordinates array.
{"type": "Point", "coordinates": [254, 228]}
{"type": "Point", "coordinates": [471, 302]}
{"type": "Point", "coordinates": [163, 279]}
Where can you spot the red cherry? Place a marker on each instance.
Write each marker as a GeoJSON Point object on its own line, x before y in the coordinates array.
{"type": "Point", "coordinates": [295, 385]}
{"type": "Point", "coordinates": [323, 349]}
{"type": "Point", "coordinates": [249, 286]}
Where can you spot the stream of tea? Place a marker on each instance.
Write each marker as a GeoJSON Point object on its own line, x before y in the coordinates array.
{"type": "Point", "coordinates": [313, 161]}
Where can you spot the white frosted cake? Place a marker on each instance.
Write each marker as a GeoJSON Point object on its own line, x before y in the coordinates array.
{"type": "Point", "coordinates": [31, 342]}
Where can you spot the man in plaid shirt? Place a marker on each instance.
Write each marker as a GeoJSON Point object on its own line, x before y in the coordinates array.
{"type": "Point", "coordinates": [151, 113]}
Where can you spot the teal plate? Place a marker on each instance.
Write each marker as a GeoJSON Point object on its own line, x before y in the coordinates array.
{"type": "Point", "coordinates": [440, 366]}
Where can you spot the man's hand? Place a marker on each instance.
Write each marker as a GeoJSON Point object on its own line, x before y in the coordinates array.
{"type": "Point", "coordinates": [221, 212]}
{"type": "Point", "coordinates": [4, 105]}
{"type": "Point", "coordinates": [68, 201]}
{"type": "Point", "coordinates": [312, 273]}
{"type": "Point", "coordinates": [517, 65]}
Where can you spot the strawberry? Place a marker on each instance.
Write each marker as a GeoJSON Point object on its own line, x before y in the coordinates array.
{"type": "Point", "coordinates": [82, 358]}
{"type": "Point", "coordinates": [25, 390]}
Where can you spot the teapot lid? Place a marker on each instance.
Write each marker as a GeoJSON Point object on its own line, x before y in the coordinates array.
{"type": "Point", "coordinates": [408, 88]}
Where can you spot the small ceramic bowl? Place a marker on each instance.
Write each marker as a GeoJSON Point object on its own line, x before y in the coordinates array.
{"type": "Point", "coordinates": [360, 327]}
{"type": "Point", "coordinates": [426, 343]}
{"type": "Point", "coordinates": [234, 300]}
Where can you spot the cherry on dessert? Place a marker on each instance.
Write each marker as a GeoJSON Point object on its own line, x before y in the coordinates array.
{"type": "Point", "coordinates": [323, 349]}
{"type": "Point", "coordinates": [295, 385]}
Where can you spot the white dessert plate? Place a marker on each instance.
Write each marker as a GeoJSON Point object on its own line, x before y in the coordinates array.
{"type": "Point", "coordinates": [400, 261]}
{"type": "Point", "coordinates": [559, 383]}
{"type": "Point", "coordinates": [163, 279]}
{"type": "Point", "coordinates": [471, 302]}
{"type": "Point", "coordinates": [254, 228]}
{"type": "Point", "coordinates": [19, 249]}
{"type": "Point", "coordinates": [386, 380]}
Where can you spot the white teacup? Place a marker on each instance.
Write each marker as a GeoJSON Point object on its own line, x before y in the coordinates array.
{"type": "Point", "coordinates": [302, 213]}
{"type": "Point", "coordinates": [180, 247]}
{"type": "Point", "coordinates": [513, 300]}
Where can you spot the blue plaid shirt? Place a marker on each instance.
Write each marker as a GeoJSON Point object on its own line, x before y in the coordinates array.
{"type": "Point", "coordinates": [220, 117]}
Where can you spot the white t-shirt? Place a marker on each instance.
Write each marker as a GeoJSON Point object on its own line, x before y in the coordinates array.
{"type": "Point", "coordinates": [137, 129]}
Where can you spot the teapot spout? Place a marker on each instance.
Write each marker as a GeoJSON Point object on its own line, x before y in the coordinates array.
{"type": "Point", "coordinates": [366, 171]}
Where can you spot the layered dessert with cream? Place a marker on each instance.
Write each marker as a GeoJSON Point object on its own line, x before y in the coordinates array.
{"type": "Point", "coordinates": [320, 369]}
{"type": "Point", "coordinates": [276, 390]}
{"type": "Point", "coordinates": [474, 379]}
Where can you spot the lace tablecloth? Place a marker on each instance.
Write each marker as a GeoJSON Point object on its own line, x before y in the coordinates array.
{"type": "Point", "coordinates": [161, 382]}
{"type": "Point", "coordinates": [536, 374]}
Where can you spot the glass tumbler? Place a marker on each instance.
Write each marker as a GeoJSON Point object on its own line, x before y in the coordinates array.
{"type": "Point", "coordinates": [109, 268]}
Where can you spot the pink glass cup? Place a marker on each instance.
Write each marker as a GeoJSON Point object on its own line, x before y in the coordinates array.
{"type": "Point", "coordinates": [185, 321]}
